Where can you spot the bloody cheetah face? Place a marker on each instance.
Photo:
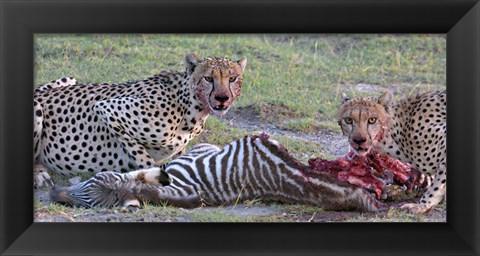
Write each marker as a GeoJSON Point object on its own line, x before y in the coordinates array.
{"type": "Point", "coordinates": [364, 121]}
{"type": "Point", "coordinates": [217, 81]}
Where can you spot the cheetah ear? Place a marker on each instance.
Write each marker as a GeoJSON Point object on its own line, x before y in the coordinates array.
{"type": "Point", "coordinates": [191, 62]}
{"type": "Point", "coordinates": [385, 99]}
{"type": "Point", "coordinates": [345, 98]}
{"type": "Point", "coordinates": [243, 63]}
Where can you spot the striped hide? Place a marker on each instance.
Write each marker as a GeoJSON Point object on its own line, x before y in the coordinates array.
{"type": "Point", "coordinates": [248, 168]}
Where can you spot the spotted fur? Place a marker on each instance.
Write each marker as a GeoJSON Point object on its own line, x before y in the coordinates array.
{"type": "Point", "coordinates": [413, 130]}
{"type": "Point", "coordinates": [130, 126]}
{"type": "Point", "coordinates": [251, 167]}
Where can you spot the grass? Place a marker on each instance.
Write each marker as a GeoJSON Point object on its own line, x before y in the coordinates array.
{"type": "Point", "coordinates": [393, 215]}
{"type": "Point", "coordinates": [302, 72]}
{"type": "Point", "coordinates": [301, 149]}
{"type": "Point", "coordinates": [218, 133]}
{"type": "Point", "coordinates": [292, 81]}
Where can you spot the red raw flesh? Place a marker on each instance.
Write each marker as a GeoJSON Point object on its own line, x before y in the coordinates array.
{"type": "Point", "coordinates": [369, 172]}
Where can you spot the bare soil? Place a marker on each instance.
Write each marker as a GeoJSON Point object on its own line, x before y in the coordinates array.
{"type": "Point", "coordinates": [249, 119]}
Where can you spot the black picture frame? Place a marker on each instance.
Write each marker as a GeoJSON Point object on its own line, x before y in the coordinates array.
{"type": "Point", "coordinates": [459, 19]}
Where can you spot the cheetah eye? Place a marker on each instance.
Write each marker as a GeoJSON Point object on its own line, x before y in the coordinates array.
{"type": "Point", "coordinates": [232, 79]}
{"type": "Point", "coordinates": [348, 120]}
{"type": "Point", "coordinates": [208, 78]}
{"type": "Point", "coordinates": [372, 120]}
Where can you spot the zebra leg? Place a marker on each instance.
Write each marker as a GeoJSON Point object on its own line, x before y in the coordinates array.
{"type": "Point", "coordinates": [109, 189]}
{"type": "Point", "coordinates": [176, 195]}
{"type": "Point", "coordinates": [154, 176]}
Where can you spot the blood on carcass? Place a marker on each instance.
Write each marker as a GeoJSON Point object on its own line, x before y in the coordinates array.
{"type": "Point", "coordinates": [371, 172]}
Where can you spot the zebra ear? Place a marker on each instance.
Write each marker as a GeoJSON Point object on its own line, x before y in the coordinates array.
{"type": "Point", "coordinates": [345, 98]}
{"type": "Point", "coordinates": [191, 62]}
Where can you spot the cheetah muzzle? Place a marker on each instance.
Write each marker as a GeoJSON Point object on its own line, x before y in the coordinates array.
{"type": "Point", "coordinates": [218, 83]}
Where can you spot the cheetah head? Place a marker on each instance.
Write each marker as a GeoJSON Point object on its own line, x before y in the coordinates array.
{"type": "Point", "coordinates": [364, 121]}
{"type": "Point", "coordinates": [216, 81]}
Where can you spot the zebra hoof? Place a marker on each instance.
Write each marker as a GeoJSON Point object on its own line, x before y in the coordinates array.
{"type": "Point", "coordinates": [132, 205]}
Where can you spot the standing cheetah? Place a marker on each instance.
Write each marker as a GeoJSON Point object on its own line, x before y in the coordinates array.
{"type": "Point", "coordinates": [123, 127]}
{"type": "Point", "coordinates": [413, 130]}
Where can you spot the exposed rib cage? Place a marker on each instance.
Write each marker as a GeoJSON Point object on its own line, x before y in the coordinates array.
{"type": "Point", "coordinates": [251, 167]}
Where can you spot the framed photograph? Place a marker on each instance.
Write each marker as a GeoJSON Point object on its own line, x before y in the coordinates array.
{"type": "Point", "coordinates": [322, 48]}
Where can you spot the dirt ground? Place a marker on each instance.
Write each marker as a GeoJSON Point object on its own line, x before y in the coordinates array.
{"type": "Point", "coordinates": [238, 213]}
{"type": "Point", "coordinates": [245, 118]}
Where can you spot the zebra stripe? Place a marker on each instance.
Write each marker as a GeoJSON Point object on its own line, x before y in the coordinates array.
{"type": "Point", "coordinates": [248, 168]}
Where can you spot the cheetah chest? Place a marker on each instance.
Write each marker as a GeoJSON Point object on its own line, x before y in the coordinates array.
{"type": "Point", "coordinates": [159, 153]}
{"type": "Point", "coordinates": [173, 140]}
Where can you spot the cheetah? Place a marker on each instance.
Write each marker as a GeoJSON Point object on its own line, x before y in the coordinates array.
{"type": "Point", "coordinates": [129, 126]}
{"type": "Point", "coordinates": [413, 130]}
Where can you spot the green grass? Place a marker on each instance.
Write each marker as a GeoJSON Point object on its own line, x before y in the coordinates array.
{"type": "Point", "coordinates": [393, 215]}
{"type": "Point", "coordinates": [301, 149]}
{"type": "Point", "coordinates": [218, 133]}
{"type": "Point", "coordinates": [302, 72]}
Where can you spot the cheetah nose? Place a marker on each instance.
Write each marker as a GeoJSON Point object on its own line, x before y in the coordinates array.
{"type": "Point", "coordinates": [359, 140]}
{"type": "Point", "coordinates": [222, 98]}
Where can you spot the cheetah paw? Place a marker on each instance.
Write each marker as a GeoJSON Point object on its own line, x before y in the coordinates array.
{"type": "Point", "coordinates": [41, 178]}
{"type": "Point", "coordinates": [416, 208]}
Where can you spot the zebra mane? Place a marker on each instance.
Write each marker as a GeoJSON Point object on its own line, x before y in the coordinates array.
{"type": "Point", "coordinates": [279, 150]}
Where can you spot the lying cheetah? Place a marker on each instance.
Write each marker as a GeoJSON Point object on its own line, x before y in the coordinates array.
{"type": "Point", "coordinates": [413, 130]}
{"type": "Point", "coordinates": [124, 127]}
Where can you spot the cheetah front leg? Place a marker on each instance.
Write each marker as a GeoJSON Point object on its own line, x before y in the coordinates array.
{"type": "Point", "coordinates": [40, 174]}
{"type": "Point", "coordinates": [179, 154]}
{"type": "Point", "coordinates": [107, 112]}
{"type": "Point", "coordinates": [433, 196]}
